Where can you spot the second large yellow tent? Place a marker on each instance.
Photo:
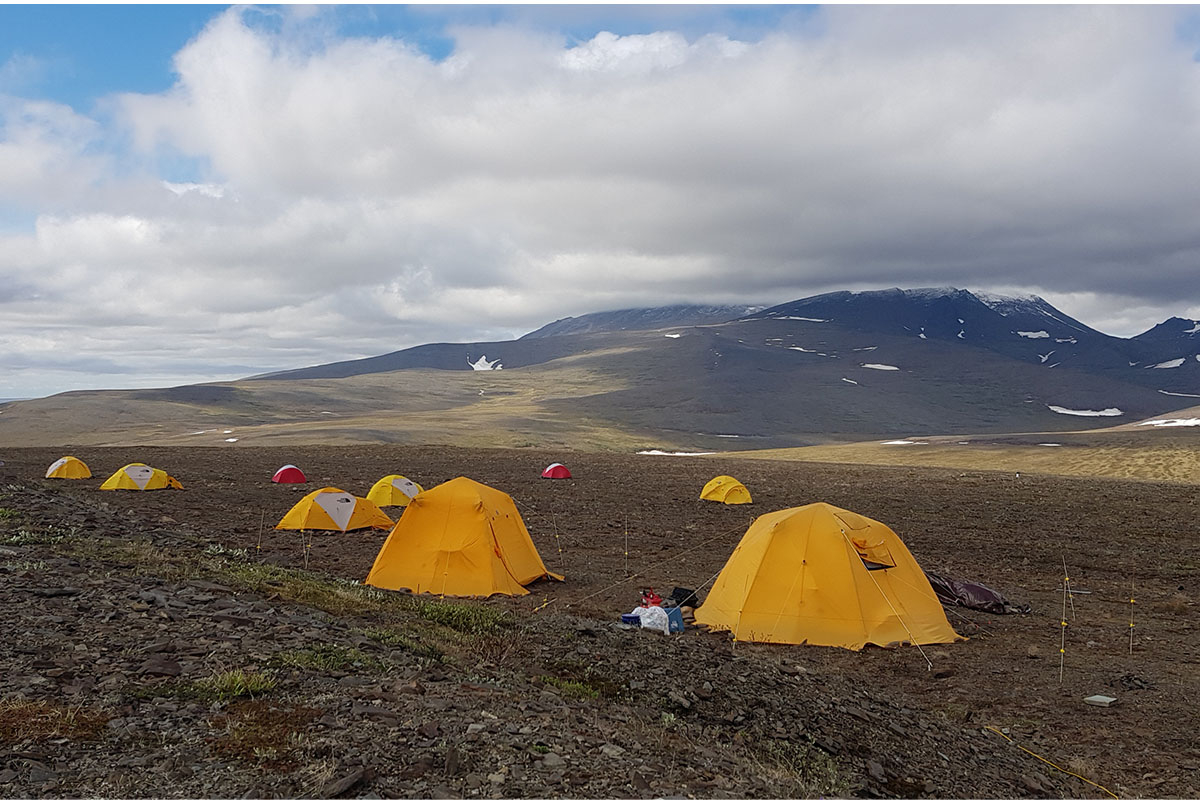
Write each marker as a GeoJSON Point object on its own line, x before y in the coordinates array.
{"type": "Point", "coordinates": [463, 539]}
{"type": "Point", "coordinates": [331, 509]}
{"type": "Point", "coordinates": [139, 477]}
{"type": "Point", "coordinates": [819, 574]}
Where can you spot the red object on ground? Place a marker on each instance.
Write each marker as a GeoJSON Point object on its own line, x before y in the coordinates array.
{"type": "Point", "coordinates": [649, 598]}
{"type": "Point", "coordinates": [289, 474]}
{"type": "Point", "coordinates": [556, 470]}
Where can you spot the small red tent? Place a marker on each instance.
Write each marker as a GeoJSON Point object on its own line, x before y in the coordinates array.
{"type": "Point", "coordinates": [556, 470]}
{"type": "Point", "coordinates": [289, 474]}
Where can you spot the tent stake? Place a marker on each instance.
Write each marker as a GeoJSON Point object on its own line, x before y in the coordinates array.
{"type": "Point", "coordinates": [1062, 646]}
{"type": "Point", "coordinates": [1131, 601]}
{"type": "Point", "coordinates": [262, 520]}
{"type": "Point", "coordinates": [627, 544]}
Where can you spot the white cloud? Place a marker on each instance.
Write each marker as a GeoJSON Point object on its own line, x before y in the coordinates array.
{"type": "Point", "coordinates": [359, 196]}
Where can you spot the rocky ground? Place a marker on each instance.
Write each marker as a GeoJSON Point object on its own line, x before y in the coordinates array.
{"type": "Point", "coordinates": [171, 644]}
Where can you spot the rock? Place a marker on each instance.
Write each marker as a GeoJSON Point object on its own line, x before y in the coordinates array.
{"type": "Point", "coordinates": [429, 730]}
{"type": "Point", "coordinates": [1033, 652]}
{"type": "Point", "coordinates": [7, 776]}
{"type": "Point", "coordinates": [161, 665]}
{"type": "Point", "coordinates": [612, 750]}
{"type": "Point", "coordinates": [497, 778]}
{"type": "Point", "coordinates": [59, 591]}
{"type": "Point", "coordinates": [876, 771]}
{"type": "Point", "coordinates": [476, 727]}
{"type": "Point", "coordinates": [1102, 700]}
{"type": "Point", "coordinates": [552, 760]}
{"type": "Point", "coordinates": [342, 785]}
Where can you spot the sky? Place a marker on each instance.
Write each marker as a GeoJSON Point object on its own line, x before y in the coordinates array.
{"type": "Point", "coordinates": [199, 193]}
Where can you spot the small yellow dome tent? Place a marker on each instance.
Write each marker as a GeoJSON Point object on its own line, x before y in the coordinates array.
{"type": "Point", "coordinates": [68, 467]}
{"type": "Point", "coordinates": [393, 490]}
{"type": "Point", "coordinates": [139, 477]}
{"type": "Point", "coordinates": [463, 539]}
{"type": "Point", "coordinates": [331, 509]}
{"type": "Point", "coordinates": [724, 489]}
{"type": "Point", "coordinates": [822, 575]}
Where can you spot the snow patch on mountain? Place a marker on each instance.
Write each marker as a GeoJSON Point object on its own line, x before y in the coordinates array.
{"type": "Point", "coordinates": [1172, 423]}
{"type": "Point", "coordinates": [1107, 412]}
{"type": "Point", "coordinates": [1034, 334]}
{"type": "Point", "coordinates": [483, 365]}
{"type": "Point", "coordinates": [879, 366]}
{"type": "Point", "coordinates": [847, 380]}
{"type": "Point", "coordinates": [1194, 329]}
{"type": "Point", "coordinates": [1177, 394]}
{"type": "Point", "coordinates": [1172, 364]}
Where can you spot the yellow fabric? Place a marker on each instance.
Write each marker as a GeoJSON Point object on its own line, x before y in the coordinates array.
{"type": "Point", "coordinates": [138, 477]}
{"type": "Point", "coordinates": [68, 467]}
{"type": "Point", "coordinates": [798, 577]}
{"type": "Point", "coordinates": [321, 511]}
{"type": "Point", "coordinates": [724, 489]}
{"type": "Point", "coordinates": [463, 539]}
{"type": "Point", "coordinates": [386, 493]}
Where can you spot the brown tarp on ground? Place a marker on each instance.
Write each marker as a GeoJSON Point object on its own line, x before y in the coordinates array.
{"type": "Point", "coordinates": [955, 592]}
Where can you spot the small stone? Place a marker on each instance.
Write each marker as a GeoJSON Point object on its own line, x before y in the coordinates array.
{"type": "Point", "coordinates": [1033, 652]}
{"type": "Point", "coordinates": [497, 778]}
{"type": "Point", "coordinates": [7, 776]}
{"type": "Point", "coordinates": [429, 730]}
{"type": "Point", "coordinates": [876, 771]}
{"type": "Point", "coordinates": [1102, 700]}
{"type": "Point", "coordinates": [612, 750]}
{"type": "Point", "coordinates": [476, 727]}
{"type": "Point", "coordinates": [553, 760]}
{"type": "Point", "coordinates": [343, 784]}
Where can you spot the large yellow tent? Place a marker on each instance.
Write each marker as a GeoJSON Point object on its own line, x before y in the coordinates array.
{"type": "Point", "coordinates": [725, 489]}
{"type": "Point", "coordinates": [68, 467]}
{"type": "Point", "coordinates": [139, 477]}
{"type": "Point", "coordinates": [393, 490]}
{"type": "Point", "coordinates": [819, 574]}
{"type": "Point", "coordinates": [463, 539]}
{"type": "Point", "coordinates": [331, 509]}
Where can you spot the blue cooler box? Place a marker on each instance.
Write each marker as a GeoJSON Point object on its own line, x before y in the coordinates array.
{"type": "Point", "coordinates": [674, 620]}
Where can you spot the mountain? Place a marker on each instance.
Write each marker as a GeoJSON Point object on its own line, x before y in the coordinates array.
{"type": "Point", "coordinates": [641, 319]}
{"type": "Point", "coordinates": [834, 367]}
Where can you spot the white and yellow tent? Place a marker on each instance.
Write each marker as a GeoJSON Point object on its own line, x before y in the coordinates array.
{"type": "Point", "coordinates": [463, 539]}
{"type": "Point", "coordinates": [68, 467]}
{"type": "Point", "coordinates": [331, 509]}
{"type": "Point", "coordinates": [139, 477]}
{"type": "Point", "coordinates": [393, 490]}
{"type": "Point", "coordinates": [725, 489]}
{"type": "Point", "coordinates": [819, 574]}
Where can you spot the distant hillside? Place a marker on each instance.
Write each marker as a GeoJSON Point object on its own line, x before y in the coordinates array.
{"type": "Point", "coordinates": [641, 319]}
{"type": "Point", "coordinates": [844, 366]}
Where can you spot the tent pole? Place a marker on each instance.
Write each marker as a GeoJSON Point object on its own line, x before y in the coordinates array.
{"type": "Point", "coordinates": [1067, 583]}
{"type": "Point", "coordinates": [1062, 645]}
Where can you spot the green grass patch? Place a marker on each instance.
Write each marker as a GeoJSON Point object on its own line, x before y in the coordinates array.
{"type": "Point", "coordinates": [340, 598]}
{"type": "Point", "coordinates": [221, 687]}
{"type": "Point", "coordinates": [40, 720]}
{"type": "Point", "coordinates": [463, 617]}
{"type": "Point", "coordinates": [10, 515]}
{"type": "Point", "coordinates": [572, 689]}
{"type": "Point", "coordinates": [327, 658]}
{"type": "Point", "coordinates": [404, 641]}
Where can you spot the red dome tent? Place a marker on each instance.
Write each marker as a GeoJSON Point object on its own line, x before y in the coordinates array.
{"type": "Point", "coordinates": [289, 474]}
{"type": "Point", "coordinates": [556, 470]}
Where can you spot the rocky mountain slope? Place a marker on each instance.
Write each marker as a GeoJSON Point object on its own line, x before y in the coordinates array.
{"type": "Point", "coordinates": [835, 367]}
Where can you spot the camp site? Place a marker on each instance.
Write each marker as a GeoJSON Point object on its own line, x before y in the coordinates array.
{"type": "Point", "coordinates": [271, 648]}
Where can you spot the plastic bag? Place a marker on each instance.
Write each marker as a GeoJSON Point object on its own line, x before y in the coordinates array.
{"type": "Point", "coordinates": [655, 618]}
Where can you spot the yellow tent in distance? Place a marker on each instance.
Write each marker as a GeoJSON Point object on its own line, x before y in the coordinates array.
{"type": "Point", "coordinates": [725, 489]}
{"type": "Point", "coordinates": [393, 490]}
{"type": "Point", "coordinates": [139, 477]}
{"type": "Point", "coordinates": [331, 509]}
{"type": "Point", "coordinates": [68, 467]}
{"type": "Point", "coordinates": [461, 538]}
{"type": "Point", "coordinates": [819, 574]}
